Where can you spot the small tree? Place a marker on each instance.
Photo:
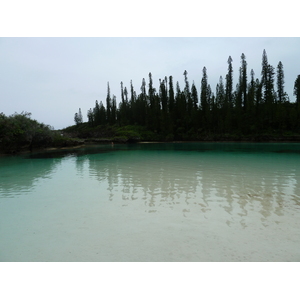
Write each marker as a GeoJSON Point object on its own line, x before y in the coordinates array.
{"type": "Point", "coordinates": [78, 117]}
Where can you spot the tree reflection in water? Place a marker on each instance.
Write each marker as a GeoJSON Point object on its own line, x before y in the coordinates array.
{"type": "Point", "coordinates": [207, 182]}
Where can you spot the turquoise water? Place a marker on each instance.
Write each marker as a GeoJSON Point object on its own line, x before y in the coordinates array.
{"type": "Point", "coordinates": [152, 202]}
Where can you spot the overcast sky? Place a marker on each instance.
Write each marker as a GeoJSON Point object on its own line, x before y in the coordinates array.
{"type": "Point", "coordinates": [53, 77]}
{"type": "Point", "coordinates": [46, 69]}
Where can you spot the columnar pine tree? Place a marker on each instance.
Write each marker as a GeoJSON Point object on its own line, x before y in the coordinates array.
{"type": "Point", "coordinates": [165, 118]}
{"type": "Point", "coordinates": [132, 103]}
{"type": "Point", "coordinates": [151, 91]}
{"type": "Point", "coordinates": [251, 91]}
{"type": "Point", "coordinates": [171, 105]}
{"type": "Point", "coordinates": [113, 110]}
{"type": "Point", "coordinates": [171, 95]}
{"type": "Point", "coordinates": [180, 111]}
{"type": "Point", "coordinates": [96, 111]}
{"type": "Point", "coordinates": [281, 108]}
{"type": "Point", "coordinates": [252, 108]}
{"type": "Point", "coordinates": [123, 107]}
{"type": "Point", "coordinates": [194, 96]}
{"type": "Point", "coordinates": [142, 108]}
{"type": "Point", "coordinates": [259, 113]}
{"type": "Point", "coordinates": [244, 81]}
{"type": "Point", "coordinates": [187, 95]}
{"type": "Point", "coordinates": [122, 93]}
{"type": "Point", "coordinates": [264, 69]}
{"type": "Point", "coordinates": [280, 83]}
{"type": "Point", "coordinates": [163, 96]}
{"type": "Point", "coordinates": [108, 105]}
{"type": "Point", "coordinates": [229, 96]}
{"type": "Point", "coordinates": [220, 94]}
{"type": "Point", "coordinates": [204, 99]}
{"type": "Point", "coordinates": [269, 85]}
{"type": "Point", "coordinates": [143, 90]}
{"type": "Point", "coordinates": [229, 84]}
{"type": "Point", "coordinates": [210, 104]}
{"type": "Point", "coordinates": [251, 104]}
{"type": "Point", "coordinates": [80, 116]}
{"type": "Point", "coordinates": [267, 81]}
{"type": "Point", "coordinates": [270, 96]}
{"type": "Point", "coordinates": [238, 94]}
{"type": "Point", "coordinates": [153, 119]}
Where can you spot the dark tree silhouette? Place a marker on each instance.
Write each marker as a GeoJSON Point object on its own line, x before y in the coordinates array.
{"type": "Point", "coordinates": [253, 108]}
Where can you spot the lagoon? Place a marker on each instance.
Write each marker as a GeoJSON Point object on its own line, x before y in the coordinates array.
{"type": "Point", "coordinates": [152, 202]}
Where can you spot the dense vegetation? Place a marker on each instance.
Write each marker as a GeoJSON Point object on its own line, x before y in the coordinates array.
{"type": "Point", "coordinates": [256, 108]}
{"type": "Point", "coordinates": [19, 132]}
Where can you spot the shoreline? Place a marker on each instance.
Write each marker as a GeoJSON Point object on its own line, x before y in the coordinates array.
{"type": "Point", "coordinates": [83, 145]}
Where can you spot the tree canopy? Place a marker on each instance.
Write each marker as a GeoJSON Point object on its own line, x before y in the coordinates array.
{"type": "Point", "coordinates": [252, 108]}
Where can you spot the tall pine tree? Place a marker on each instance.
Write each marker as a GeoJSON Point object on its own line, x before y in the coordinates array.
{"type": "Point", "coordinates": [280, 83]}
{"type": "Point", "coordinates": [108, 105]}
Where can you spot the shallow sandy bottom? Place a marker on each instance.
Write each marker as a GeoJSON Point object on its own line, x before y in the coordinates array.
{"type": "Point", "coordinates": [145, 206]}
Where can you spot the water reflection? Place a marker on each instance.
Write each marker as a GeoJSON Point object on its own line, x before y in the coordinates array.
{"type": "Point", "coordinates": [152, 203]}
{"type": "Point", "coordinates": [227, 182]}
{"type": "Point", "coordinates": [219, 185]}
{"type": "Point", "coordinates": [19, 176]}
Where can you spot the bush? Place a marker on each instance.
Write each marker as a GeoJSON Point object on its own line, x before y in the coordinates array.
{"type": "Point", "coordinates": [19, 131]}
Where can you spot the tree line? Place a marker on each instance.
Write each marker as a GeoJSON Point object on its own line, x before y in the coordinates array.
{"type": "Point", "coordinates": [255, 106]}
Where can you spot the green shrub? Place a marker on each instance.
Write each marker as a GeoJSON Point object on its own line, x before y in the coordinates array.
{"type": "Point", "coordinates": [19, 131]}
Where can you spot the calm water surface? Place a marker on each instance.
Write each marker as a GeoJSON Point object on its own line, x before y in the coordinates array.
{"type": "Point", "coordinates": [152, 202]}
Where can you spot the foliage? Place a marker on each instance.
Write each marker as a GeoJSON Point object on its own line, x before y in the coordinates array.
{"type": "Point", "coordinates": [78, 117]}
{"type": "Point", "coordinates": [252, 109]}
{"type": "Point", "coordinates": [20, 132]}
